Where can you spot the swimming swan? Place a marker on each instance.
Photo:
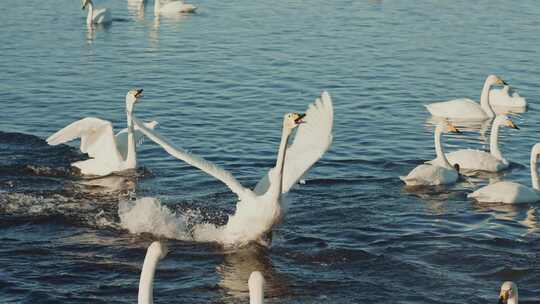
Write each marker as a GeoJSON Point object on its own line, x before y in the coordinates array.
{"type": "Point", "coordinates": [509, 293]}
{"type": "Point", "coordinates": [502, 98]}
{"type": "Point", "coordinates": [440, 173]}
{"type": "Point", "coordinates": [469, 159]}
{"type": "Point", "coordinates": [156, 252]}
{"type": "Point", "coordinates": [109, 153]}
{"type": "Point", "coordinates": [467, 109]}
{"type": "Point", "coordinates": [256, 288]}
{"type": "Point", "coordinates": [258, 210]}
{"type": "Point", "coordinates": [96, 15]}
{"type": "Point", "coordinates": [173, 7]}
{"type": "Point", "coordinates": [511, 192]}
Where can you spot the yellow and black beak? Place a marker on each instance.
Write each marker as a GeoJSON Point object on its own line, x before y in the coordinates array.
{"type": "Point", "coordinates": [512, 125]}
{"type": "Point", "coordinates": [83, 7]}
{"type": "Point", "coordinates": [139, 93]}
{"type": "Point", "coordinates": [501, 81]}
{"type": "Point", "coordinates": [453, 129]}
{"type": "Point", "coordinates": [503, 297]}
{"type": "Point", "coordinates": [299, 118]}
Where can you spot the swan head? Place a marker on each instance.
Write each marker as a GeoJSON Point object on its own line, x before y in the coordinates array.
{"type": "Point", "coordinates": [85, 3]}
{"type": "Point", "coordinates": [256, 287]}
{"type": "Point", "coordinates": [494, 79]}
{"type": "Point", "coordinates": [132, 97]}
{"type": "Point", "coordinates": [292, 120]}
{"type": "Point", "coordinates": [506, 121]}
{"type": "Point", "coordinates": [508, 292]}
{"type": "Point", "coordinates": [447, 127]}
{"type": "Point", "coordinates": [158, 249]}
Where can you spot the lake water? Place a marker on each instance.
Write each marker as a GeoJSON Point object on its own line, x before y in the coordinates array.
{"type": "Point", "coordinates": [219, 82]}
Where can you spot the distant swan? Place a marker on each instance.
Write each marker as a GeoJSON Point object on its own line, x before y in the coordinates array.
{"type": "Point", "coordinates": [511, 192]}
{"type": "Point", "coordinates": [467, 109]}
{"type": "Point", "coordinates": [492, 161]}
{"type": "Point", "coordinates": [258, 210]}
{"type": "Point", "coordinates": [502, 98]}
{"type": "Point", "coordinates": [440, 173]}
{"type": "Point", "coordinates": [156, 252]}
{"type": "Point", "coordinates": [96, 15]}
{"type": "Point", "coordinates": [109, 153]}
{"type": "Point", "coordinates": [256, 288]}
{"type": "Point", "coordinates": [509, 293]}
{"type": "Point", "coordinates": [173, 7]}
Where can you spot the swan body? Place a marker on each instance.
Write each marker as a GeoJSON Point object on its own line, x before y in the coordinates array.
{"type": "Point", "coordinates": [108, 152]}
{"type": "Point", "coordinates": [467, 109]}
{"type": "Point", "coordinates": [476, 160]}
{"type": "Point", "coordinates": [502, 98]}
{"type": "Point", "coordinates": [440, 173]}
{"type": "Point", "coordinates": [256, 288]}
{"type": "Point", "coordinates": [96, 15]}
{"type": "Point", "coordinates": [511, 192]}
{"type": "Point", "coordinates": [258, 210]}
{"type": "Point", "coordinates": [509, 293]}
{"type": "Point", "coordinates": [173, 7]}
{"type": "Point", "coordinates": [156, 252]}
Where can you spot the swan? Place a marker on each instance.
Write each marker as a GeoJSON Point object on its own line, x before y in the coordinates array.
{"type": "Point", "coordinates": [108, 153]}
{"type": "Point", "coordinates": [511, 192]}
{"type": "Point", "coordinates": [173, 7]}
{"type": "Point", "coordinates": [493, 161]}
{"type": "Point", "coordinates": [509, 293]}
{"type": "Point", "coordinates": [258, 210]}
{"type": "Point", "coordinates": [96, 15]}
{"type": "Point", "coordinates": [502, 98]}
{"type": "Point", "coordinates": [439, 173]}
{"type": "Point", "coordinates": [156, 252]}
{"type": "Point", "coordinates": [467, 109]}
{"type": "Point", "coordinates": [256, 288]}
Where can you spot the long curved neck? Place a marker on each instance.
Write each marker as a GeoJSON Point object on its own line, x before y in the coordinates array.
{"type": "Point", "coordinates": [441, 157]}
{"type": "Point", "coordinates": [494, 140]}
{"type": "Point", "coordinates": [256, 295]}
{"type": "Point", "coordinates": [513, 300]}
{"type": "Point", "coordinates": [276, 185]}
{"type": "Point", "coordinates": [90, 15]}
{"type": "Point", "coordinates": [484, 99]}
{"type": "Point", "coordinates": [534, 171]}
{"type": "Point", "coordinates": [156, 7]}
{"type": "Point", "coordinates": [146, 283]}
{"type": "Point", "coordinates": [131, 157]}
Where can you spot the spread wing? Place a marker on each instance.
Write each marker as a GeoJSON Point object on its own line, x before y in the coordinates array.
{"type": "Point", "coordinates": [312, 140]}
{"type": "Point", "coordinates": [97, 138]}
{"type": "Point", "coordinates": [196, 161]}
{"type": "Point", "coordinates": [122, 137]}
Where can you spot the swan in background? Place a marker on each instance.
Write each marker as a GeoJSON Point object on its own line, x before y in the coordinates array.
{"type": "Point", "coordinates": [439, 173]}
{"type": "Point", "coordinates": [155, 253]}
{"type": "Point", "coordinates": [502, 98]}
{"type": "Point", "coordinates": [256, 288]}
{"type": "Point", "coordinates": [511, 192]}
{"type": "Point", "coordinates": [173, 7]}
{"type": "Point", "coordinates": [509, 293]}
{"type": "Point", "coordinates": [108, 153]}
{"type": "Point", "coordinates": [96, 15]}
{"type": "Point", "coordinates": [476, 160]}
{"type": "Point", "coordinates": [465, 108]}
{"type": "Point", "coordinates": [258, 210]}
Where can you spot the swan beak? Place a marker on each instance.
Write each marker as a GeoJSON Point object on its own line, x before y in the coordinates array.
{"type": "Point", "coordinates": [454, 130]}
{"type": "Point", "coordinates": [299, 118]}
{"type": "Point", "coordinates": [83, 7]}
{"type": "Point", "coordinates": [139, 93]}
{"type": "Point", "coordinates": [500, 81]}
{"type": "Point", "coordinates": [512, 125]}
{"type": "Point", "coordinates": [503, 298]}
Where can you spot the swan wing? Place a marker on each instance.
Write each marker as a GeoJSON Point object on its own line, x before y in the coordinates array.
{"type": "Point", "coordinates": [313, 138]}
{"type": "Point", "coordinates": [102, 15]}
{"type": "Point", "coordinates": [505, 192]}
{"type": "Point", "coordinates": [430, 175]}
{"type": "Point", "coordinates": [462, 108]}
{"type": "Point", "coordinates": [502, 97]}
{"type": "Point", "coordinates": [196, 161]}
{"type": "Point", "coordinates": [469, 159]}
{"type": "Point", "coordinates": [97, 138]}
{"type": "Point", "coordinates": [122, 137]}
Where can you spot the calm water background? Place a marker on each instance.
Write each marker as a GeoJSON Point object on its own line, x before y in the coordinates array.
{"type": "Point", "coordinates": [219, 82]}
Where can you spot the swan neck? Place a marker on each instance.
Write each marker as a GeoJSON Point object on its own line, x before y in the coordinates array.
{"type": "Point", "coordinates": [277, 184]}
{"type": "Point", "coordinates": [256, 295]}
{"type": "Point", "coordinates": [534, 171]}
{"type": "Point", "coordinates": [484, 99]}
{"type": "Point", "coordinates": [441, 157]}
{"type": "Point", "coordinates": [146, 283]}
{"type": "Point", "coordinates": [90, 15]}
{"type": "Point", "coordinates": [494, 140]}
{"type": "Point", "coordinates": [131, 157]}
{"type": "Point", "coordinates": [156, 7]}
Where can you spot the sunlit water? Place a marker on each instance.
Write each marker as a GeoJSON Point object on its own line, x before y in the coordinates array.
{"type": "Point", "coordinates": [219, 82]}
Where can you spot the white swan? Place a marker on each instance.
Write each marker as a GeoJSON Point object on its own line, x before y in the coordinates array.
{"type": "Point", "coordinates": [156, 252]}
{"type": "Point", "coordinates": [509, 293]}
{"type": "Point", "coordinates": [511, 192]}
{"type": "Point", "coordinates": [467, 109]}
{"type": "Point", "coordinates": [109, 153]}
{"type": "Point", "coordinates": [256, 288]}
{"type": "Point", "coordinates": [260, 209]}
{"type": "Point", "coordinates": [96, 15]}
{"type": "Point", "coordinates": [476, 160]}
{"type": "Point", "coordinates": [439, 173]}
{"type": "Point", "coordinates": [502, 98]}
{"type": "Point", "coordinates": [173, 7]}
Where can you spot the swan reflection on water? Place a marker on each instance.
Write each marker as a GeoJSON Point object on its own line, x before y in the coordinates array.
{"type": "Point", "coordinates": [136, 9]}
